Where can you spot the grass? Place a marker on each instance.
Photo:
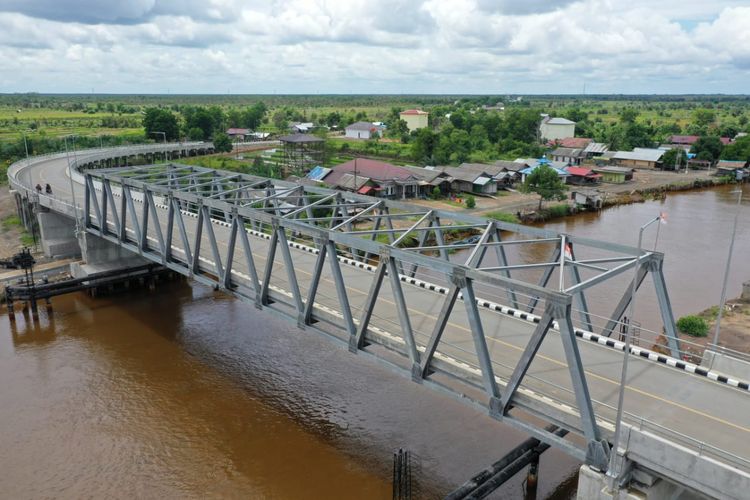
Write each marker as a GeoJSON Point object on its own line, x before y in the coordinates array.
{"type": "Point", "coordinates": [503, 217]}
{"type": "Point", "coordinates": [12, 222]}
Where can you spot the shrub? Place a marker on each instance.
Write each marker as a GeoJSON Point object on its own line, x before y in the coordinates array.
{"type": "Point", "coordinates": [503, 217]}
{"type": "Point", "coordinates": [471, 202]}
{"type": "Point", "coordinates": [692, 325]}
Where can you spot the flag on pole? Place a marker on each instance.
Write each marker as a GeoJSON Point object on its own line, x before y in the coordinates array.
{"type": "Point", "coordinates": [663, 217]}
{"type": "Point", "coordinates": [568, 251]}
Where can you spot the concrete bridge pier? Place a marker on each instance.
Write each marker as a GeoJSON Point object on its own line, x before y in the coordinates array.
{"type": "Point", "coordinates": [594, 485]}
{"type": "Point", "coordinates": [57, 233]}
{"type": "Point", "coordinates": [99, 255]}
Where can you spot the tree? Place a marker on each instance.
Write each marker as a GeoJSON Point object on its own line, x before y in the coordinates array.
{"type": "Point", "coordinates": [161, 120]}
{"type": "Point", "coordinates": [710, 145]}
{"type": "Point", "coordinates": [674, 159]}
{"type": "Point", "coordinates": [471, 202]}
{"type": "Point", "coordinates": [545, 182]}
{"type": "Point", "coordinates": [704, 117]}
{"type": "Point", "coordinates": [279, 120]}
{"type": "Point", "coordinates": [738, 150]}
{"type": "Point", "coordinates": [423, 144]}
{"type": "Point", "coordinates": [195, 134]}
{"type": "Point", "coordinates": [628, 115]}
{"type": "Point", "coordinates": [253, 116]}
{"type": "Point", "coordinates": [222, 142]}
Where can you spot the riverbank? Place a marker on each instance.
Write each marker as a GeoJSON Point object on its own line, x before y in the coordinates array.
{"type": "Point", "coordinates": [646, 185]}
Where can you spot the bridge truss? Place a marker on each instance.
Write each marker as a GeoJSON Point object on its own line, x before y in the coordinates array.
{"type": "Point", "coordinates": [273, 243]}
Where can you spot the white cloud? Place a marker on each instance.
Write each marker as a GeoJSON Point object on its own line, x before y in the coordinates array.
{"type": "Point", "coordinates": [448, 46]}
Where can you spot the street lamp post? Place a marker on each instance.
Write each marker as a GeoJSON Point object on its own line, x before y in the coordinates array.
{"type": "Point", "coordinates": [612, 473]}
{"type": "Point", "coordinates": [726, 269]}
{"type": "Point", "coordinates": [70, 178]}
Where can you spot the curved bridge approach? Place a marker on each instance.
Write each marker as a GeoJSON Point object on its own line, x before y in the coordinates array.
{"type": "Point", "coordinates": [378, 277]}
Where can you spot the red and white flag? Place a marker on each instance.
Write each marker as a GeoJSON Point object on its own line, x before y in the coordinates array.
{"type": "Point", "coordinates": [568, 251]}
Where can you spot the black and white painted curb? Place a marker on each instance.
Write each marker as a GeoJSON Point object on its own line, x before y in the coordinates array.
{"type": "Point", "coordinates": [515, 313]}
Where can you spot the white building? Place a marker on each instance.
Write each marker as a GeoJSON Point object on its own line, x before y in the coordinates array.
{"type": "Point", "coordinates": [415, 118]}
{"type": "Point", "coordinates": [556, 128]}
{"type": "Point", "coordinates": [363, 130]}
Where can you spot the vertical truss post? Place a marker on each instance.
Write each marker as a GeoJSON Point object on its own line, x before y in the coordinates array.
{"type": "Point", "coordinates": [212, 241]}
{"type": "Point", "coordinates": [131, 207]}
{"type": "Point", "coordinates": [123, 234]}
{"type": "Point", "coordinates": [195, 265]}
{"type": "Point", "coordinates": [167, 257]}
{"type": "Point", "coordinates": [502, 260]}
{"type": "Point", "coordinates": [665, 306]}
{"type": "Point", "coordinates": [338, 279]}
{"type": "Point", "coordinates": [226, 279]}
{"type": "Point", "coordinates": [86, 203]}
{"type": "Point", "coordinates": [175, 206]}
{"type": "Point", "coordinates": [356, 343]}
{"type": "Point", "coordinates": [403, 315]}
{"type": "Point", "coordinates": [143, 242]}
{"type": "Point", "coordinates": [157, 227]}
{"type": "Point", "coordinates": [597, 450]}
{"type": "Point", "coordinates": [103, 229]}
{"type": "Point", "coordinates": [107, 186]}
{"type": "Point", "coordinates": [439, 239]}
{"type": "Point", "coordinates": [317, 273]}
{"type": "Point", "coordinates": [269, 268]}
{"type": "Point", "coordinates": [289, 265]}
{"type": "Point", "coordinates": [545, 278]}
{"type": "Point", "coordinates": [95, 202]}
{"type": "Point", "coordinates": [250, 262]}
{"type": "Point", "coordinates": [624, 301]}
{"type": "Point", "coordinates": [580, 297]}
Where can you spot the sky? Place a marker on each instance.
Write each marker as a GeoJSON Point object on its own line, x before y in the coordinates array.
{"type": "Point", "coordinates": [375, 46]}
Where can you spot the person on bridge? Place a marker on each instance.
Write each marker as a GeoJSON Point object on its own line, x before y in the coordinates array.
{"type": "Point", "coordinates": [38, 188]}
{"type": "Point", "coordinates": [48, 189]}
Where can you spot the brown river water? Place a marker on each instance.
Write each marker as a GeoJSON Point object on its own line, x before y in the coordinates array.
{"type": "Point", "coordinates": [186, 393]}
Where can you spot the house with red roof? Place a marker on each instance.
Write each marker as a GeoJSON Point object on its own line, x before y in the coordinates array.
{"type": "Point", "coordinates": [378, 178]}
{"type": "Point", "coordinates": [581, 176]}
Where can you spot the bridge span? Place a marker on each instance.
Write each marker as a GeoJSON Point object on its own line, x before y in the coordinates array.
{"type": "Point", "coordinates": [378, 277]}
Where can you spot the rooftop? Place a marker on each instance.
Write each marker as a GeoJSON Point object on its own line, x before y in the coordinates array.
{"type": "Point", "coordinates": [361, 126]}
{"type": "Point", "coordinates": [374, 169]}
{"type": "Point", "coordinates": [414, 112]}
{"type": "Point", "coordinates": [571, 142]}
{"type": "Point", "coordinates": [640, 154]}
{"type": "Point", "coordinates": [559, 121]}
{"type": "Point", "coordinates": [299, 138]}
{"type": "Point", "coordinates": [573, 152]}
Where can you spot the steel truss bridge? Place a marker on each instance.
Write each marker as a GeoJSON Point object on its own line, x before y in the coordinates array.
{"type": "Point", "coordinates": [465, 323]}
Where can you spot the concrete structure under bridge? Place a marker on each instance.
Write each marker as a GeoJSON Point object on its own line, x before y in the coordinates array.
{"type": "Point", "coordinates": [528, 353]}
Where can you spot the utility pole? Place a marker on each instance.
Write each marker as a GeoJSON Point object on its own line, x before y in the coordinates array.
{"type": "Point", "coordinates": [722, 302]}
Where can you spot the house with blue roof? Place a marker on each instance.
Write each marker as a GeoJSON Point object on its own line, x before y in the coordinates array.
{"type": "Point", "coordinates": [533, 164]}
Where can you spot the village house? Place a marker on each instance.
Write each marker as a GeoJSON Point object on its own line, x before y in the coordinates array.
{"type": "Point", "coordinates": [638, 158]}
{"type": "Point", "coordinates": [595, 149]}
{"type": "Point", "coordinates": [569, 156]}
{"type": "Point", "coordinates": [736, 169]}
{"type": "Point", "coordinates": [615, 175]}
{"type": "Point", "coordinates": [505, 173]}
{"type": "Point", "coordinates": [532, 164]}
{"type": "Point", "coordinates": [301, 127]}
{"type": "Point", "coordinates": [581, 176]}
{"type": "Point", "coordinates": [556, 128]}
{"type": "Point", "coordinates": [378, 178]}
{"type": "Point", "coordinates": [470, 181]}
{"type": "Point", "coordinates": [237, 134]}
{"type": "Point", "coordinates": [363, 130]}
{"type": "Point", "coordinates": [570, 142]}
{"type": "Point", "coordinates": [415, 119]}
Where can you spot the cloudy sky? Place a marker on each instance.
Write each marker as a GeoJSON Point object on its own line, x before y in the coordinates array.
{"type": "Point", "coordinates": [375, 46]}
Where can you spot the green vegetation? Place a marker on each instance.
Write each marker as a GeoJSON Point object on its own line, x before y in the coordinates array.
{"type": "Point", "coordinates": [692, 325]}
{"type": "Point", "coordinates": [503, 217]}
{"type": "Point", "coordinates": [545, 182]}
{"type": "Point", "coordinates": [471, 202]}
{"type": "Point", "coordinates": [14, 222]}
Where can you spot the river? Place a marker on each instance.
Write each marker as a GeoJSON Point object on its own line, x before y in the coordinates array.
{"type": "Point", "coordinates": [187, 393]}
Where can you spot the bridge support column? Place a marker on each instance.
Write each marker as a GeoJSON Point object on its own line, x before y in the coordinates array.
{"type": "Point", "coordinates": [100, 255]}
{"type": "Point", "coordinates": [593, 485]}
{"type": "Point", "coordinates": [57, 235]}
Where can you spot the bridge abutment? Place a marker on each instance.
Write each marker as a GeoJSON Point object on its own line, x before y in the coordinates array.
{"type": "Point", "coordinates": [594, 485]}
{"type": "Point", "coordinates": [99, 255]}
{"type": "Point", "coordinates": [58, 235]}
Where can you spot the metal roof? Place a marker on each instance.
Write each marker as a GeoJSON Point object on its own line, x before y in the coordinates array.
{"type": "Point", "coordinates": [300, 138]}
{"type": "Point", "coordinates": [318, 173]}
{"type": "Point", "coordinates": [640, 154]}
{"type": "Point", "coordinates": [559, 121]}
{"type": "Point", "coordinates": [368, 126]}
